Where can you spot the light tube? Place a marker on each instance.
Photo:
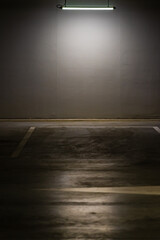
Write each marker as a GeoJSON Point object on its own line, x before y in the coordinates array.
{"type": "Point", "coordinates": [87, 8]}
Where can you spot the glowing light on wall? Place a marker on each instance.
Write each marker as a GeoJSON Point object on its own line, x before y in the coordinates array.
{"type": "Point", "coordinates": [88, 8]}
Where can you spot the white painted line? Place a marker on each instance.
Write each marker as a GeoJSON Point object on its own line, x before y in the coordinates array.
{"type": "Point", "coordinates": [93, 127]}
{"type": "Point", "coordinates": [157, 129]}
{"type": "Point", "coordinates": [23, 142]}
{"type": "Point", "coordinates": [141, 190]}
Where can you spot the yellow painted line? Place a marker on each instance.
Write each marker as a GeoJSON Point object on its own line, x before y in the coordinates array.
{"type": "Point", "coordinates": [82, 120]}
{"type": "Point", "coordinates": [23, 142]}
{"type": "Point", "coordinates": [140, 190]}
{"type": "Point", "coordinates": [157, 129]}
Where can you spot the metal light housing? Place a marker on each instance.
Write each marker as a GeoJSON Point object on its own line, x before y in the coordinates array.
{"type": "Point", "coordinates": [84, 8]}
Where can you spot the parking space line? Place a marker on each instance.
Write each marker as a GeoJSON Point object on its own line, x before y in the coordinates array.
{"type": "Point", "coordinates": [23, 142]}
{"type": "Point", "coordinates": [157, 129]}
{"type": "Point", "coordinates": [140, 190]}
{"type": "Point", "coordinates": [114, 127]}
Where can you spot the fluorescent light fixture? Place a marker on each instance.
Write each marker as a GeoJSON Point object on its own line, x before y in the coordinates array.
{"type": "Point", "coordinates": [105, 7]}
{"type": "Point", "coordinates": [87, 8]}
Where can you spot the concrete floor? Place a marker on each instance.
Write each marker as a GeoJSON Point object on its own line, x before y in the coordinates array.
{"type": "Point", "coordinates": [80, 180]}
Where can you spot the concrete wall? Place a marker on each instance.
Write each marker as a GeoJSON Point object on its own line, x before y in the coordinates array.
{"type": "Point", "coordinates": [69, 64]}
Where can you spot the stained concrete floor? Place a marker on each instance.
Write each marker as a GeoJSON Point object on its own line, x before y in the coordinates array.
{"type": "Point", "coordinates": [61, 184]}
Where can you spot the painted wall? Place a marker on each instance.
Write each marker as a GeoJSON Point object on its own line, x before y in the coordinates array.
{"type": "Point", "coordinates": [69, 64]}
